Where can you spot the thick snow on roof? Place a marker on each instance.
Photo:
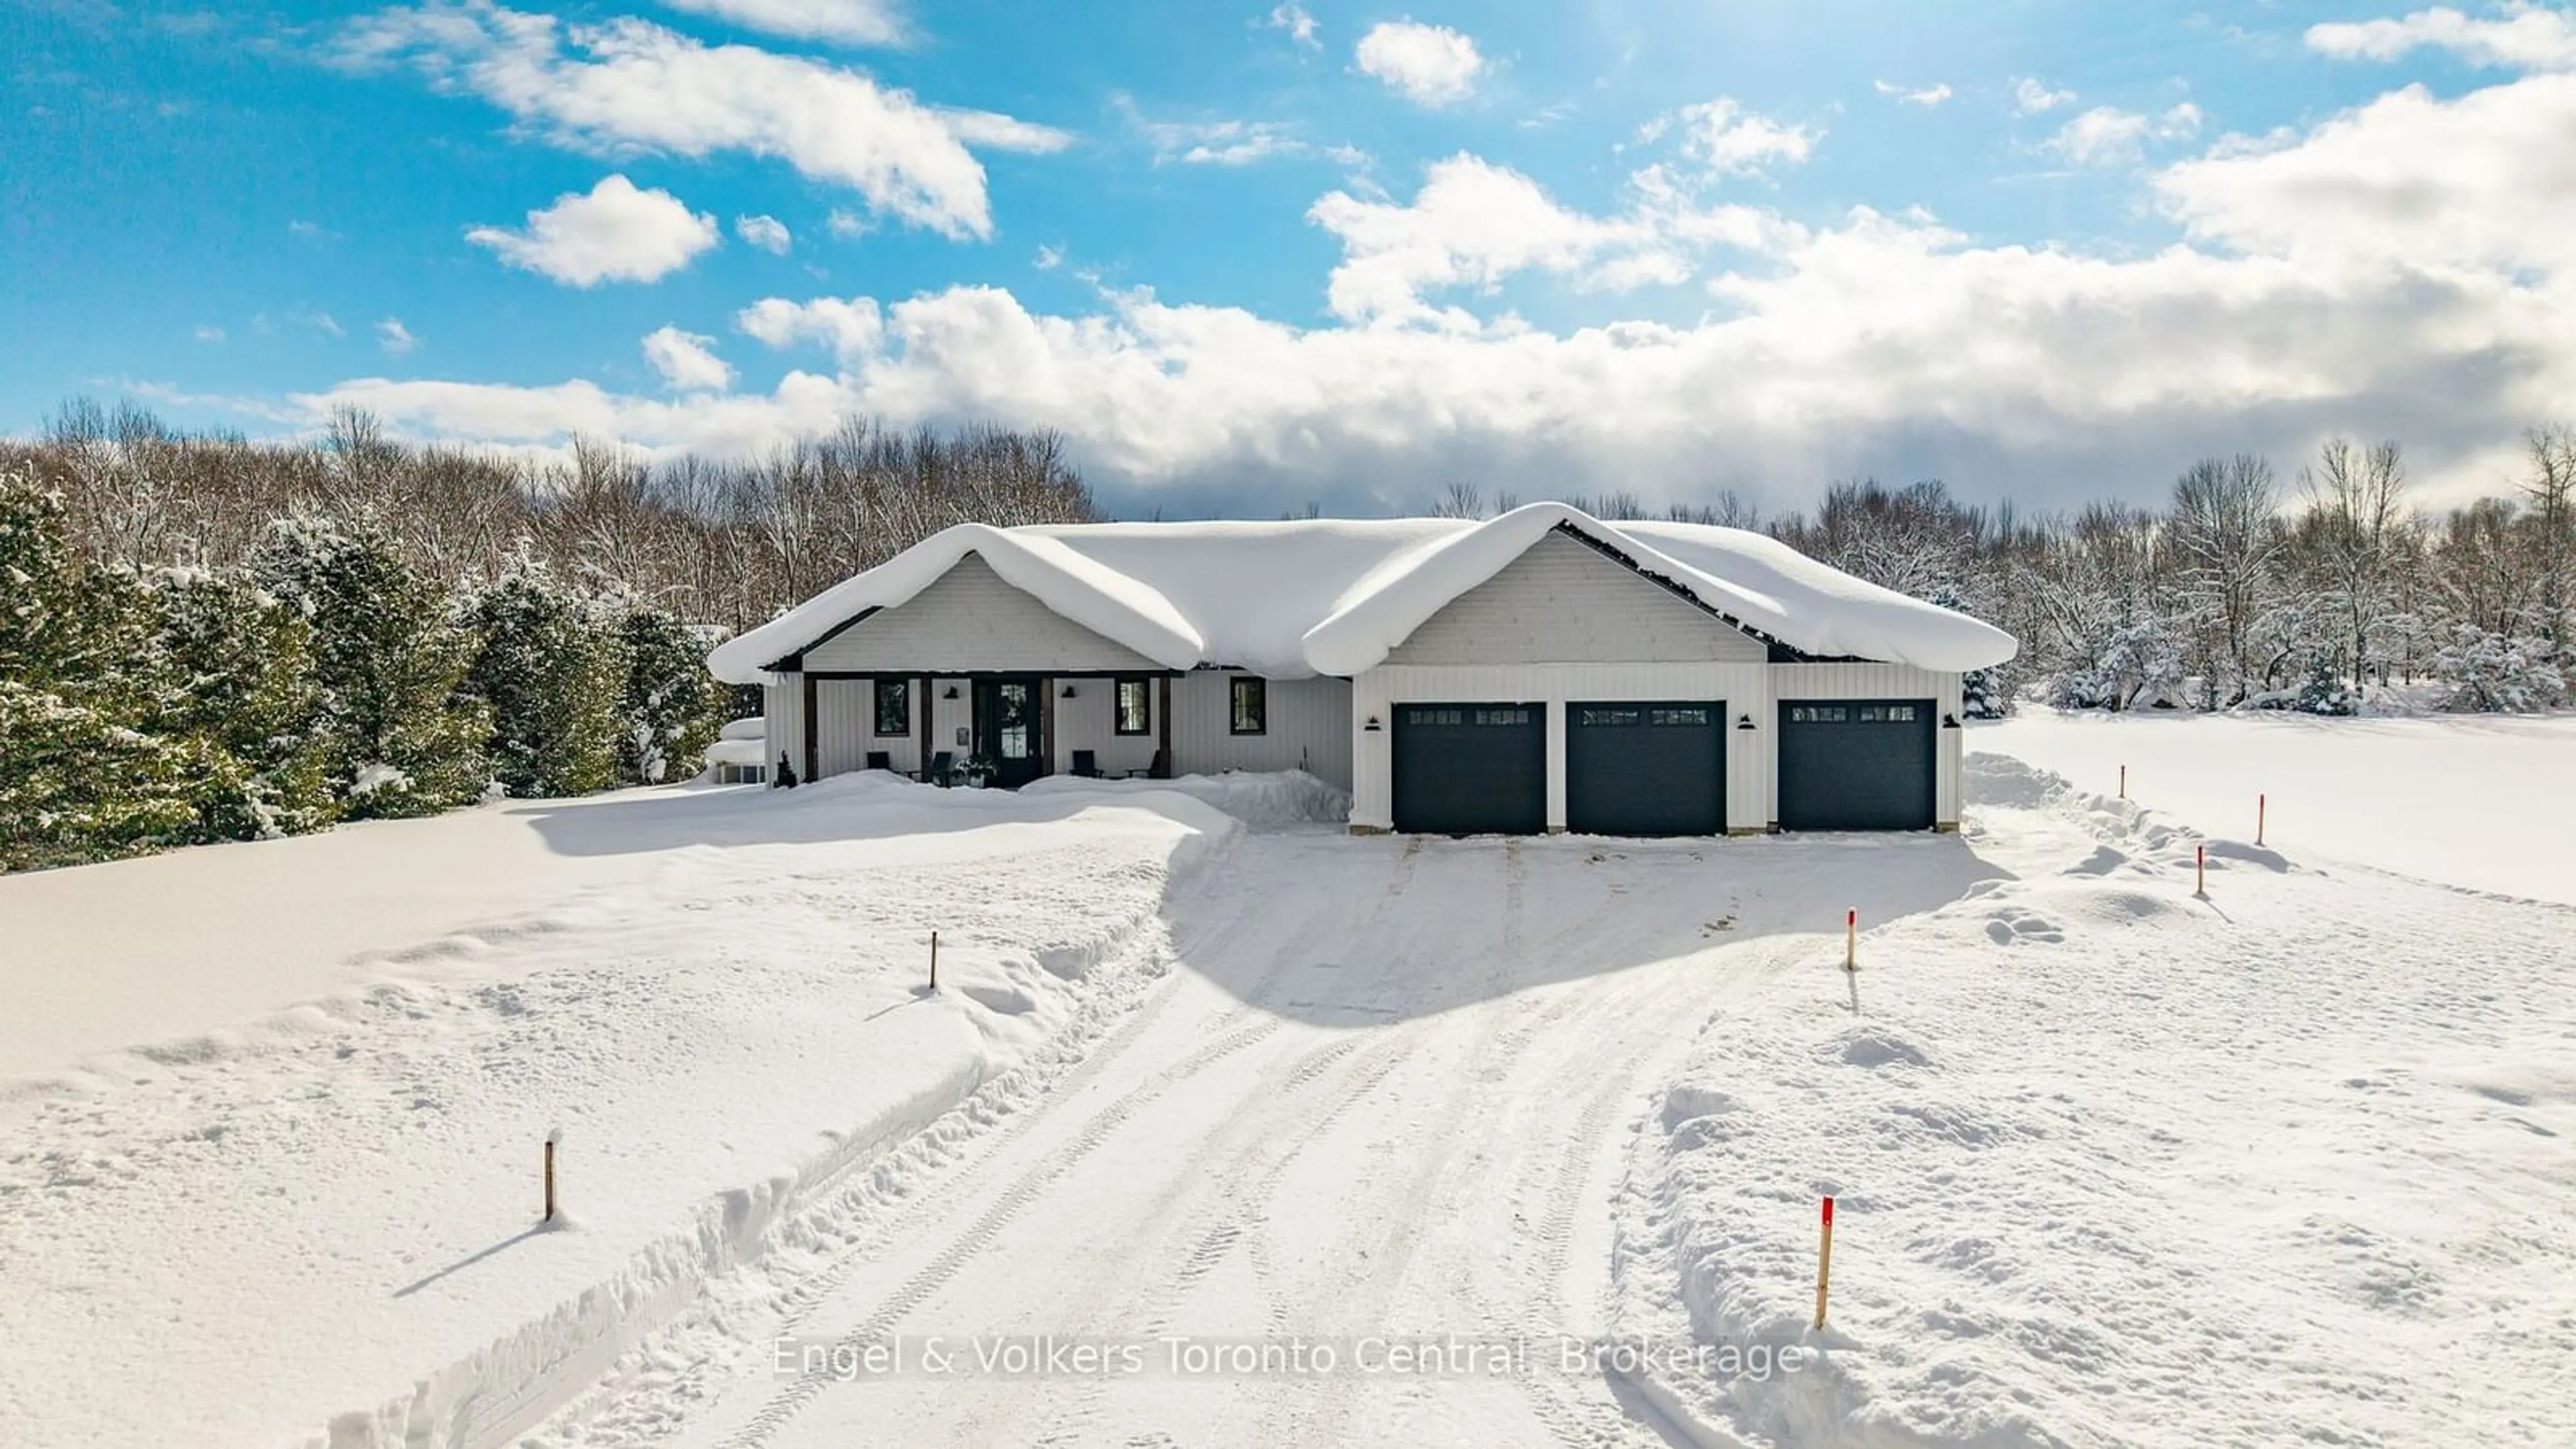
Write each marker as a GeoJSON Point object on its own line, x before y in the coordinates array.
{"type": "Point", "coordinates": [1326, 596]}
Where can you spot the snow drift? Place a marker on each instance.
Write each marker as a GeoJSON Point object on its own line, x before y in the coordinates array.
{"type": "Point", "coordinates": [2115, 1165]}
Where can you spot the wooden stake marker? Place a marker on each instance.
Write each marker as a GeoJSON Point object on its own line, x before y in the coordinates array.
{"type": "Point", "coordinates": [2258, 819]}
{"type": "Point", "coordinates": [1851, 940]}
{"type": "Point", "coordinates": [551, 1139]}
{"type": "Point", "coordinates": [2124, 782]}
{"type": "Point", "coordinates": [934, 960]}
{"type": "Point", "coordinates": [1824, 1264]}
{"type": "Point", "coordinates": [2200, 868]}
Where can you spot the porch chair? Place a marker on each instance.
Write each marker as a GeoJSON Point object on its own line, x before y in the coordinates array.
{"type": "Point", "coordinates": [881, 760]}
{"type": "Point", "coordinates": [943, 769]}
{"type": "Point", "coordinates": [1162, 767]}
{"type": "Point", "coordinates": [1086, 763]}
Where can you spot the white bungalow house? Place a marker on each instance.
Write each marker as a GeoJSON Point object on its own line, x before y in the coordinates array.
{"type": "Point", "coordinates": [1540, 671]}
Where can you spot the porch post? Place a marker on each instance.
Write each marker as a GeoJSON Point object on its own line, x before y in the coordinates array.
{"type": "Point", "coordinates": [921, 701]}
{"type": "Point", "coordinates": [1163, 721]}
{"type": "Point", "coordinates": [806, 678]}
{"type": "Point", "coordinates": [1046, 725]}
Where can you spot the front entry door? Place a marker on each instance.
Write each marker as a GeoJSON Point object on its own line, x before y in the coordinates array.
{"type": "Point", "coordinates": [1006, 729]}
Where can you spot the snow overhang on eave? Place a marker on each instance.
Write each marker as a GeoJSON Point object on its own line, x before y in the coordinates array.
{"type": "Point", "coordinates": [1106, 602]}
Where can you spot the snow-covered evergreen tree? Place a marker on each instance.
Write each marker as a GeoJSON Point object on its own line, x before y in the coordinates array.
{"type": "Point", "coordinates": [404, 737]}
{"type": "Point", "coordinates": [551, 669]}
{"type": "Point", "coordinates": [672, 707]}
{"type": "Point", "coordinates": [1981, 691]}
{"type": "Point", "coordinates": [233, 686]}
{"type": "Point", "coordinates": [2491, 672]}
{"type": "Point", "coordinates": [78, 780]}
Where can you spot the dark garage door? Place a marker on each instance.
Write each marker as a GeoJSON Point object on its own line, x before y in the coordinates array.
{"type": "Point", "coordinates": [1471, 769]}
{"type": "Point", "coordinates": [1856, 764]}
{"type": "Point", "coordinates": [1645, 768]}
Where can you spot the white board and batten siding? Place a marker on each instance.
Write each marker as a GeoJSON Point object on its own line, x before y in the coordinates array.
{"type": "Point", "coordinates": [1564, 622]}
{"type": "Point", "coordinates": [1882, 681]}
{"type": "Point", "coordinates": [1308, 727]}
{"type": "Point", "coordinates": [1563, 601]}
{"type": "Point", "coordinates": [1089, 721]}
{"type": "Point", "coordinates": [970, 620]}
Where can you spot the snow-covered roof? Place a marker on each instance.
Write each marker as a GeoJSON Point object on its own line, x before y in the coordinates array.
{"type": "Point", "coordinates": [1328, 596]}
{"type": "Point", "coordinates": [736, 752]}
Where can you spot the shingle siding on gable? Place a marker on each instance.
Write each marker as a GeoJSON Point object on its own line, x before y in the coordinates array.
{"type": "Point", "coordinates": [970, 620]}
{"type": "Point", "coordinates": [1564, 601]}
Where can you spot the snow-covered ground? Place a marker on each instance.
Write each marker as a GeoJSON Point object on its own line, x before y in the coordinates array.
{"type": "Point", "coordinates": [2114, 1165]}
{"type": "Point", "coordinates": [2478, 801]}
{"type": "Point", "coordinates": [306, 1181]}
{"type": "Point", "coordinates": [2118, 1165]}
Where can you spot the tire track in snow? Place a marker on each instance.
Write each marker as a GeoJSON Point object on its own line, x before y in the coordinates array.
{"type": "Point", "coordinates": [1025, 1190]}
{"type": "Point", "coordinates": [1239, 1208]}
{"type": "Point", "coordinates": [1019, 1101]}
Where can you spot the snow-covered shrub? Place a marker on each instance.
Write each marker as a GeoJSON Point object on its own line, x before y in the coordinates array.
{"type": "Point", "coordinates": [2325, 692]}
{"type": "Point", "coordinates": [233, 686]}
{"type": "Point", "coordinates": [1981, 695]}
{"type": "Point", "coordinates": [2490, 672]}
{"type": "Point", "coordinates": [671, 706]}
{"type": "Point", "coordinates": [391, 664]}
{"type": "Point", "coordinates": [552, 670]}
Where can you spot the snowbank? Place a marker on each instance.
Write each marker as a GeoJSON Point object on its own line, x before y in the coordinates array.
{"type": "Point", "coordinates": [2115, 1164]}
{"type": "Point", "coordinates": [320, 1222]}
{"type": "Point", "coordinates": [1262, 798]}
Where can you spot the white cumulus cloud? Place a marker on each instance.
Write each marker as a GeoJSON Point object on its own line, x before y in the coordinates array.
{"type": "Point", "coordinates": [615, 232]}
{"type": "Point", "coordinates": [853, 22]}
{"type": "Point", "coordinates": [2110, 136]}
{"type": "Point", "coordinates": [765, 232]}
{"type": "Point", "coordinates": [850, 328]}
{"type": "Point", "coordinates": [626, 86]}
{"type": "Point", "coordinates": [686, 361]}
{"type": "Point", "coordinates": [2525, 37]}
{"type": "Point", "coordinates": [1430, 65]}
{"type": "Point", "coordinates": [1728, 140]}
{"type": "Point", "coordinates": [1474, 223]}
{"type": "Point", "coordinates": [2405, 269]}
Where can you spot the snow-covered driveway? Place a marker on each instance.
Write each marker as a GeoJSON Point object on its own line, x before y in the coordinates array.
{"type": "Point", "coordinates": [1383, 1098]}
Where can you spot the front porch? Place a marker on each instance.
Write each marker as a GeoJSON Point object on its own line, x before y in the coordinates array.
{"type": "Point", "coordinates": [1000, 729]}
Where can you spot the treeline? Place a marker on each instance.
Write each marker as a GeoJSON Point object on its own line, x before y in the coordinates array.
{"type": "Point", "coordinates": [206, 638]}
{"type": "Point", "coordinates": [2243, 590]}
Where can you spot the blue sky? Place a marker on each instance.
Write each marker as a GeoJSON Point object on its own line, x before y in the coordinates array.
{"type": "Point", "coordinates": [1245, 257]}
